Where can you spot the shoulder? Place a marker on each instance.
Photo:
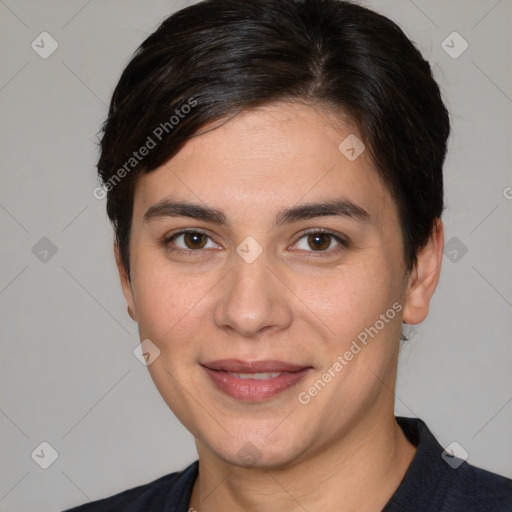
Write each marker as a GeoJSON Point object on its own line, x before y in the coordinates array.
{"type": "Point", "coordinates": [158, 495]}
{"type": "Point", "coordinates": [439, 481]}
{"type": "Point", "coordinates": [482, 489]}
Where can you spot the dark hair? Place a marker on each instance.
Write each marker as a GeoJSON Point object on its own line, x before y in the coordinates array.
{"type": "Point", "coordinates": [214, 59]}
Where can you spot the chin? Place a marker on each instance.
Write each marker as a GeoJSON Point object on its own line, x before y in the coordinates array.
{"type": "Point", "coordinates": [257, 451]}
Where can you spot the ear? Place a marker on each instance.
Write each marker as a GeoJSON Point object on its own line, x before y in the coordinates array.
{"type": "Point", "coordinates": [125, 283]}
{"type": "Point", "coordinates": [424, 277]}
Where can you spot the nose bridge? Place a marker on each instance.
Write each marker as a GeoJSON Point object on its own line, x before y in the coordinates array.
{"type": "Point", "coordinates": [252, 298]}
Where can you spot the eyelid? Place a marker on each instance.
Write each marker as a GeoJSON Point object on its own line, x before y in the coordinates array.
{"type": "Point", "coordinates": [170, 236]}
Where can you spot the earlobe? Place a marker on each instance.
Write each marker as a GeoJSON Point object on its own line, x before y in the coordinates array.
{"type": "Point", "coordinates": [424, 277]}
{"type": "Point", "coordinates": [125, 284]}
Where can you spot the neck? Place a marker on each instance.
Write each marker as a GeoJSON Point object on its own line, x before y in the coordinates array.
{"type": "Point", "coordinates": [361, 471]}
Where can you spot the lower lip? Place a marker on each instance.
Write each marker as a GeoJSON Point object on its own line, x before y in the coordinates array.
{"type": "Point", "coordinates": [254, 390]}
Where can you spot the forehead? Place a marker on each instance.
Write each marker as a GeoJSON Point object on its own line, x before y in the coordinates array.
{"type": "Point", "coordinates": [267, 158]}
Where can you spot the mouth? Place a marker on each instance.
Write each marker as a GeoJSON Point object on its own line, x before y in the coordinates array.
{"type": "Point", "coordinates": [254, 381]}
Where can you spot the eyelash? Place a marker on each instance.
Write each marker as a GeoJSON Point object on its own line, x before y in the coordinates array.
{"type": "Point", "coordinates": [343, 243]}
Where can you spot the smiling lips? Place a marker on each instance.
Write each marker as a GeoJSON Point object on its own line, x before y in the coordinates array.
{"type": "Point", "coordinates": [254, 381]}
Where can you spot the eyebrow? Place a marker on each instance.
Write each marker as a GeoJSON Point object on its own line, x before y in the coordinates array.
{"type": "Point", "coordinates": [337, 207]}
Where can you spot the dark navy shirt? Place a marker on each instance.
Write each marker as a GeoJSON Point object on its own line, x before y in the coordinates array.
{"type": "Point", "coordinates": [430, 484]}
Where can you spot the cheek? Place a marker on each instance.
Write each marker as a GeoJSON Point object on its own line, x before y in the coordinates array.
{"type": "Point", "coordinates": [352, 297]}
{"type": "Point", "coordinates": [167, 301]}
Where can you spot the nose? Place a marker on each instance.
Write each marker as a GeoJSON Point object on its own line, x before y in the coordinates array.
{"type": "Point", "coordinates": [253, 299]}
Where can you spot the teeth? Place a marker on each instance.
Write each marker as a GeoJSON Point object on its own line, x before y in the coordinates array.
{"type": "Point", "coordinates": [258, 376]}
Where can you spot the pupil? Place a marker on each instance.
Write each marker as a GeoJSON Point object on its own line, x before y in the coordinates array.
{"type": "Point", "coordinates": [317, 239]}
{"type": "Point", "coordinates": [194, 239]}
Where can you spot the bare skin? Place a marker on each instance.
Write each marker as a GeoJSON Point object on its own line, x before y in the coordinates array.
{"type": "Point", "coordinates": [303, 300]}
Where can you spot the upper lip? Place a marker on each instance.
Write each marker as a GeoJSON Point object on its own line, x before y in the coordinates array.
{"type": "Point", "coordinates": [238, 366]}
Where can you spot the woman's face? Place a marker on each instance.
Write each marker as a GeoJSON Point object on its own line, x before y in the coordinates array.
{"type": "Point", "coordinates": [267, 285]}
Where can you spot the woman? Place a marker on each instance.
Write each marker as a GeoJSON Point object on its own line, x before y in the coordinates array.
{"type": "Point", "coordinates": [274, 179]}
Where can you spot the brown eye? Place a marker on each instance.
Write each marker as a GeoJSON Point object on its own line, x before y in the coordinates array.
{"type": "Point", "coordinates": [319, 241]}
{"type": "Point", "coordinates": [189, 242]}
{"type": "Point", "coordinates": [194, 240]}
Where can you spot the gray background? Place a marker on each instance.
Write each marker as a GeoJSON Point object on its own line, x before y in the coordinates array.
{"type": "Point", "coordinates": [68, 375]}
